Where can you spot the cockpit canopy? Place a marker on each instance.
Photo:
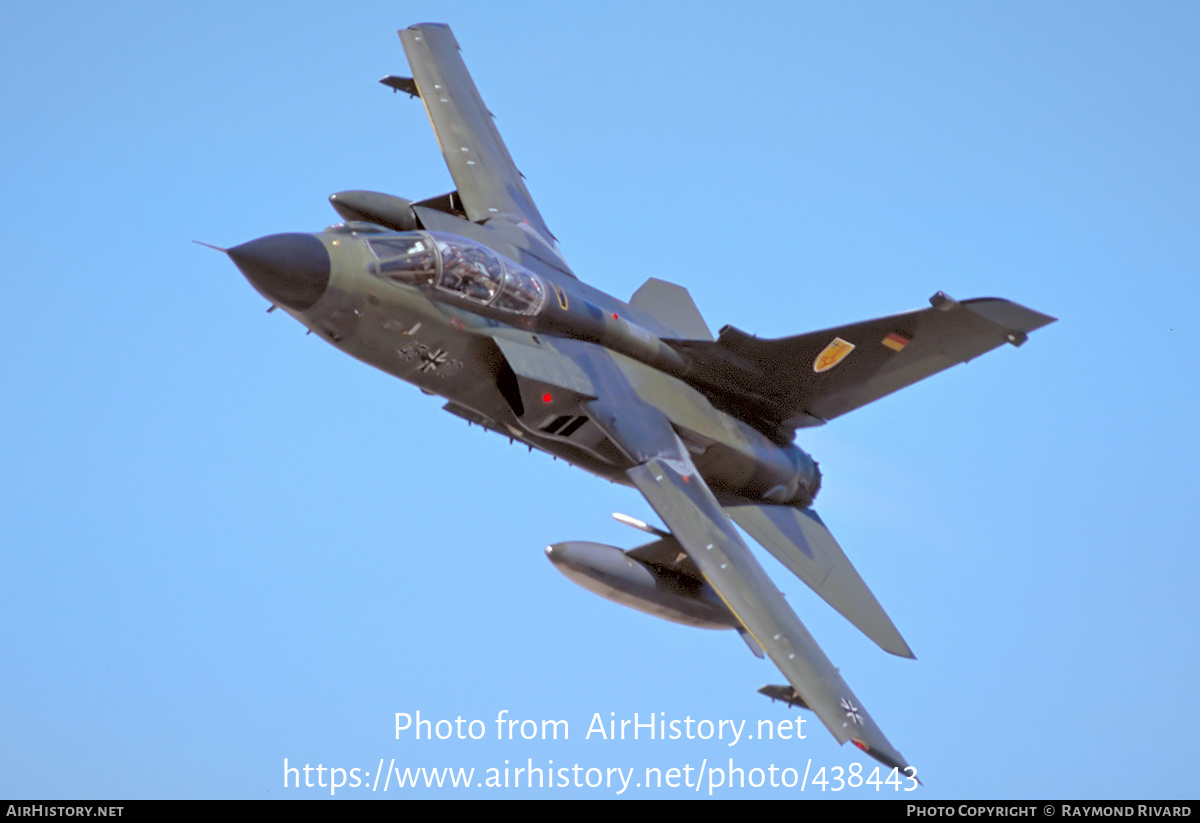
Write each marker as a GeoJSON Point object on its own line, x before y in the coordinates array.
{"type": "Point", "coordinates": [457, 266]}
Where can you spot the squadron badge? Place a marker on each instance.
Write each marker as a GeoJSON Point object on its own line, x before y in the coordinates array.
{"type": "Point", "coordinates": [832, 354]}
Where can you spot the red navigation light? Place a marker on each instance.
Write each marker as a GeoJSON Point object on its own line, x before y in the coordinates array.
{"type": "Point", "coordinates": [546, 398]}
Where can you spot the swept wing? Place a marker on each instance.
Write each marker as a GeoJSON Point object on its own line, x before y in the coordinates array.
{"type": "Point", "coordinates": [491, 191]}
{"type": "Point", "coordinates": [663, 471]}
{"type": "Point", "coordinates": [667, 478]}
{"type": "Point", "coordinates": [682, 499]}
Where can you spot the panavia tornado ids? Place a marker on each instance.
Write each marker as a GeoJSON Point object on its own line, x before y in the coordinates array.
{"type": "Point", "coordinates": [467, 296]}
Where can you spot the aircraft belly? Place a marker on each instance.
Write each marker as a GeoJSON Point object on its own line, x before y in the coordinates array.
{"type": "Point", "coordinates": [533, 388]}
{"type": "Point", "coordinates": [432, 356]}
{"type": "Point", "coordinates": [565, 384]}
{"type": "Point", "coordinates": [437, 354]}
{"type": "Point", "coordinates": [538, 390]}
{"type": "Point", "coordinates": [403, 333]}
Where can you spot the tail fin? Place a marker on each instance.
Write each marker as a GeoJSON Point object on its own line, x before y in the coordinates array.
{"type": "Point", "coordinates": [810, 378]}
{"type": "Point", "coordinates": [672, 306]}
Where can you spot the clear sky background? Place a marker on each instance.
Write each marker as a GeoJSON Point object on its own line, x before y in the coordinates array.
{"type": "Point", "coordinates": [225, 543]}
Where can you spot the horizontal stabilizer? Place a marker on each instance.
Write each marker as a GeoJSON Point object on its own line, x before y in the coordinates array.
{"type": "Point", "coordinates": [802, 543]}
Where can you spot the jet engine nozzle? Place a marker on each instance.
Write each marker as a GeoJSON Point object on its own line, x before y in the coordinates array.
{"type": "Point", "coordinates": [290, 270]}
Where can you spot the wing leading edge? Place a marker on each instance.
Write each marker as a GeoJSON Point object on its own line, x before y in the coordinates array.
{"type": "Point", "coordinates": [682, 499]}
{"type": "Point", "coordinates": [667, 478]}
{"type": "Point", "coordinates": [491, 190]}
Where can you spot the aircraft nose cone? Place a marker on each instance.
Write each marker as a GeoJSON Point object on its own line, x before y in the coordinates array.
{"type": "Point", "coordinates": [291, 270]}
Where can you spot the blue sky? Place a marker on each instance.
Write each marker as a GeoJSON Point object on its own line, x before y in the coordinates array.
{"type": "Point", "coordinates": [226, 544]}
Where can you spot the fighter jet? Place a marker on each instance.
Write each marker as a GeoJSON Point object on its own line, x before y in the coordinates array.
{"type": "Point", "coordinates": [467, 296]}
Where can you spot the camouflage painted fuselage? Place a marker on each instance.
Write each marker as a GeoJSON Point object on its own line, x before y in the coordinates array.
{"type": "Point", "coordinates": [467, 296]}
{"type": "Point", "coordinates": [489, 364]}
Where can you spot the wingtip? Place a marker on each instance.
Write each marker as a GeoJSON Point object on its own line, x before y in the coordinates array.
{"type": "Point", "coordinates": [892, 759]}
{"type": "Point", "coordinates": [900, 649]}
